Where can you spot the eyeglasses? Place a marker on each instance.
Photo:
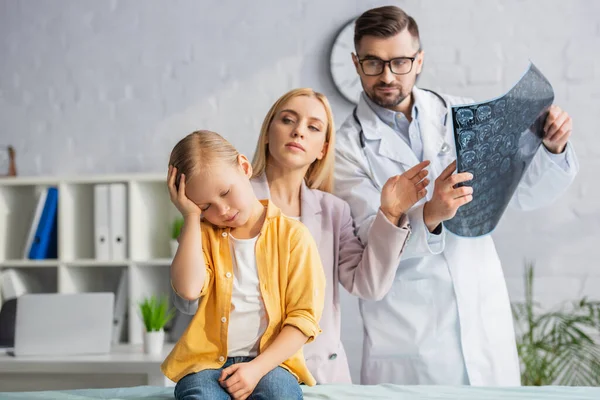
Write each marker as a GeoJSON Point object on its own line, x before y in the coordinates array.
{"type": "Point", "coordinates": [398, 65]}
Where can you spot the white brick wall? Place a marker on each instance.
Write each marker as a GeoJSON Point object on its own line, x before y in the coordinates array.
{"type": "Point", "coordinates": [92, 87]}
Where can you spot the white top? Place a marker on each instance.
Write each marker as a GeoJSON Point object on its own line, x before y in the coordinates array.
{"type": "Point", "coordinates": [247, 319]}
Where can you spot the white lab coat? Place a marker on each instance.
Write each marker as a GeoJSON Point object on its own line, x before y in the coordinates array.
{"type": "Point", "coordinates": [447, 319]}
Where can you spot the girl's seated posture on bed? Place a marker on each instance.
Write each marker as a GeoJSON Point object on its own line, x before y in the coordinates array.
{"type": "Point", "coordinates": [257, 274]}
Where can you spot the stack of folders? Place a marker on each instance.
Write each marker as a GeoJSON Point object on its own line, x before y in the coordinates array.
{"type": "Point", "coordinates": [43, 232]}
{"type": "Point", "coordinates": [110, 221]}
{"type": "Point", "coordinates": [110, 243]}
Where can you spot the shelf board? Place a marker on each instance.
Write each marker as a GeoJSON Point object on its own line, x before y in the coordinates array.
{"type": "Point", "coordinates": [115, 178]}
{"type": "Point", "coordinates": [82, 179]}
{"type": "Point", "coordinates": [29, 181]}
{"type": "Point", "coordinates": [154, 262]}
{"type": "Point", "coordinates": [29, 263]}
{"type": "Point", "coordinates": [91, 262]}
{"type": "Point", "coordinates": [87, 262]}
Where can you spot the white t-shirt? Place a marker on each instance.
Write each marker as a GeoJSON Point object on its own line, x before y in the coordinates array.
{"type": "Point", "coordinates": [248, 318]}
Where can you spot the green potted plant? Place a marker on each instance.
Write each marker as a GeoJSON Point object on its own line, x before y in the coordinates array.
{"type": "Point", "coordinates": [175, 232]}
{"type": "Point", "coordinates": [155, 314]}
{"type": "Point", "coordinates": [557, 347]}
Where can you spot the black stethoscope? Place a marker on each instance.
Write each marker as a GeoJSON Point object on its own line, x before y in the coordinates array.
{"type": "Point", "coordinates": [445, 149]}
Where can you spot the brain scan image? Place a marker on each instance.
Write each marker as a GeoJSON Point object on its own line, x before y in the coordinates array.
{"type": "Point", "coordinates": [484, 151]}
{"type": "Point", "coordinates": [466, 139]}
{"type": "Point", "coordinates": [500, 107]}
{"type": "Point", "coordinates": [505, 165]}
{"type": "Point", "coordinates": [484, 133]}
{"type": "Point", "coordinates": [484, 113]}
{"type": "Point", "coordinates": [464, 117]}
{"type": "Point", "coordinates": [481, 169]}
{"type": "Point", "coordinates": [509, 145]}
{"type": "Point", "coordinates": [488, 137]}
{"type": "Point", "coordinates": [469, 158]}
{"type": "Point", "coordinates": [495, 143]}
{"type": "Point", "coordinates": [495, 160]}
{"type": "Point", "coordinates": [498, 125]}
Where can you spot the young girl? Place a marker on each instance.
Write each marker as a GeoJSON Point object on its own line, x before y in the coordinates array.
{"type": "Point", "coordinates": [257, 273]}
{"type": "Point", "coordinates": [293, 166]}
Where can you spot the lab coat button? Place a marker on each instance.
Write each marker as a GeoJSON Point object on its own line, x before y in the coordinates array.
{"type": "Point", "coordinates": [333, 356]}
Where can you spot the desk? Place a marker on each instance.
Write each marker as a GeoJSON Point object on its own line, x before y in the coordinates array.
{"type": "Point", "coordinates": [125, 366]}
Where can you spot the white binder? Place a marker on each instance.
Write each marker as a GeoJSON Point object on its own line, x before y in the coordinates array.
{"type": "Point", "coordinates": [118, 221]}
{"type": "Point", "coordinates": [15, 283]}
{"type": "Point", "coordinates": [120, 308]}
{"type": "Point", "coordinates": [41, 200]}
{"type": "Point", "coordinates": [101, 222]}
{"type": "Point", "coordinates": [4, 231]}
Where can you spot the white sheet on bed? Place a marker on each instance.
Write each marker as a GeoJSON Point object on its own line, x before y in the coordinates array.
{"type": "Point", "coordinates": [341, 392]}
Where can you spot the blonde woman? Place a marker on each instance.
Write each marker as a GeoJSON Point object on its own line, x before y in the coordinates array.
{"type": "Point", "coordinates": [293, 166]}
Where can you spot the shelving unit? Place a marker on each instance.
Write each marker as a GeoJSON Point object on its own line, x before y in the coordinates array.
{"type": "Point", "coordinates": [149, 217]}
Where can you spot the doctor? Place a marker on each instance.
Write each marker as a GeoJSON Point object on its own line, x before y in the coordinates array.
{"type": "Point", "coordinates": [447, 318]}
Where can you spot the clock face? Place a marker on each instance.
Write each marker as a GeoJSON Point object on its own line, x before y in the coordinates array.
{"type": "Point", "coordinates": [342, 69]}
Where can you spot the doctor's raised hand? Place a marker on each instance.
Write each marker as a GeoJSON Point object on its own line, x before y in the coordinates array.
{"type": "Point", "coordinates": [401, 192]}
{"type": "Point", "coordinates": [447, 198]}
{"type": "Point", "coordinates": [557, 130]}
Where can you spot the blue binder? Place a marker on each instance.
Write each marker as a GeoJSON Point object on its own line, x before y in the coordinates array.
{"type": "Point", "coordinates": [45, 243]}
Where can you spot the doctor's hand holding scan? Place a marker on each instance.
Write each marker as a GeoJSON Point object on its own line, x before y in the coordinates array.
{"type": "Point", "coordinates": [447, 197]}
{"type": "Point", "coordinates": [446, 319]}
{"type": "Point", "coordinates": [557, 130]}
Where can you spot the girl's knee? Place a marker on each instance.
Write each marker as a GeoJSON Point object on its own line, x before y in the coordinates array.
{"type": "Point", "coordinates": [277, 384]}
{"type": "Point", "coordinates": [199, 386]}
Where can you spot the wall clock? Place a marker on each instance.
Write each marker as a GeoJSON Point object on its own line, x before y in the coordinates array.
{"type": "Point", "coordinates": [343, 73]}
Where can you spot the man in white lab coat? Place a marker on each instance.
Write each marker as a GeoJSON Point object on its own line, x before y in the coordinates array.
{"type": "Point", "coordinates": [447, 319]}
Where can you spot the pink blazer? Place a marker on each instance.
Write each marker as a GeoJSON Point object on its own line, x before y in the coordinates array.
{"type": "Point", "coordinates": [367, 272]}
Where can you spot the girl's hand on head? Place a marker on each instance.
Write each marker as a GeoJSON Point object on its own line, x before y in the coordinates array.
{"type": "Point", "coordinates": [401, 192]}
{"type": "Point", "coordinates": [178, 197]}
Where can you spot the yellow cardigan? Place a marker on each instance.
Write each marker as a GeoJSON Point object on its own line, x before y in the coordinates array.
{"type": "Point", "coordinates": [292, 285]}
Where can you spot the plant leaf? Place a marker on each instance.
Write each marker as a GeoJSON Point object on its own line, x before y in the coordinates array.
{"type": "Point", "coordinates": [155, 313]}
{"type": "Point", "coordinates": [556, 347]}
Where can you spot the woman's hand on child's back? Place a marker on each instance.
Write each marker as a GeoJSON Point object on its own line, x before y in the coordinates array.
{"type": "Point", "coordinates": [185, 206]}
{"type": "Point", "coordinates": [401, 192]}
{"type": "Point", "coordinates": [239, 380]}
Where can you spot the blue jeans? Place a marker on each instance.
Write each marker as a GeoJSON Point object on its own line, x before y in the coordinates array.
{"type": "Point", "coordinates": [204, 385]}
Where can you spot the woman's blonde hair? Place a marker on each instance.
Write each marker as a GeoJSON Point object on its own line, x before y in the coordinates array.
{"type": "Point", "coordinates": [320, 173]}
{"type": "Point", "coordinates": [200, 150]}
